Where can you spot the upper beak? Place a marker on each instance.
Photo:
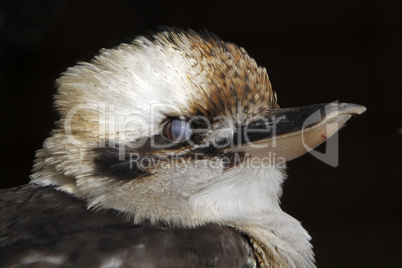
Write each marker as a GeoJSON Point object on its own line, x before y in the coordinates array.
{"type": "Point", "coordinates": [291, 132]}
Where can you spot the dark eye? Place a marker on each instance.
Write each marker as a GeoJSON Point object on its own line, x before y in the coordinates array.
{"type": "Point", "coordinates": [177, 130]}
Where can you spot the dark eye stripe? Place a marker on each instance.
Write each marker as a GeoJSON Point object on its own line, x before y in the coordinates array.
{"type": "Point", "coordinates": [108, 164]}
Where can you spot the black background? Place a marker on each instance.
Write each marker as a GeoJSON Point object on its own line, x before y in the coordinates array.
{"type": "Point", "coordinates": [314, 52]}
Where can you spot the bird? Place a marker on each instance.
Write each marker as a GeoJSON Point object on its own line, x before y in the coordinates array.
{"type": "Point", "coordinates": [170, 151]}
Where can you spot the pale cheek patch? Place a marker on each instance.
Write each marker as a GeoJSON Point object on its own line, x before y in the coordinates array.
{"type": "Point", "coordinates": [240, 193]}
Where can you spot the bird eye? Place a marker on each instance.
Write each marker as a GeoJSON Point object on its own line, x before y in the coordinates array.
{"type": "Point", "coordinates": [177, 130]}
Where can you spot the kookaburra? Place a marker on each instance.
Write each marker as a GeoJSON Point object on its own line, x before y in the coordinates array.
{"type": "Point", "coordinates": [181, 134]}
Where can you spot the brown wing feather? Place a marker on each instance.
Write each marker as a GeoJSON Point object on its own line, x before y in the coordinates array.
{"type": "Point", "coordinates": [44, 227]}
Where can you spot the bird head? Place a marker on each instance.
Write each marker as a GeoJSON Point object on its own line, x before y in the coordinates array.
{"type": "Point", "coordinates": [181, 128]}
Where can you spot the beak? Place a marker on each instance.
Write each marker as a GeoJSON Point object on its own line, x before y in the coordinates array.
{"type": "Point", "coordinates": [292, 132]}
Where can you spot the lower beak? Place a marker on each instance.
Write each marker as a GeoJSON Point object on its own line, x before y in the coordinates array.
{"type": "Point", "coordinates": [291, 132]}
